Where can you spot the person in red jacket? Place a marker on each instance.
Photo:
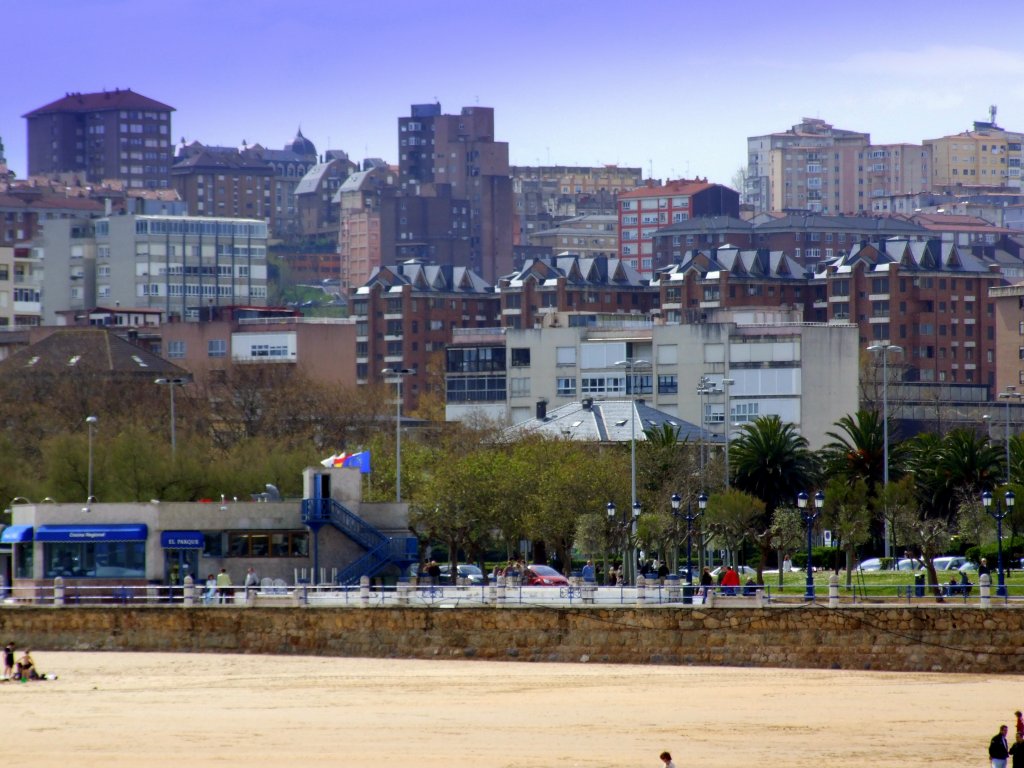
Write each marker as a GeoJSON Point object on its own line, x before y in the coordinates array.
{"type": "Point", "coordinates": [730, 581]}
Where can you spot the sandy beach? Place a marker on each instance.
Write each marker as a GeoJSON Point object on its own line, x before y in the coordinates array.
{"type": "Point", "coordinates": [126, 710]}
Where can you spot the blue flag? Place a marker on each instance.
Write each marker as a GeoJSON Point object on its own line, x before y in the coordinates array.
{"type": "Point", "coordinates": [360, 461]}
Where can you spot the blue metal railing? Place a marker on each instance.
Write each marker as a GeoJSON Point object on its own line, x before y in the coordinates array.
{"type": "Point", "coordinates": [382, 550]}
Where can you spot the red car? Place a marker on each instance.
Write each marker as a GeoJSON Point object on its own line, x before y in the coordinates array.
{"type": "Point", "coordinates": [543, 576]}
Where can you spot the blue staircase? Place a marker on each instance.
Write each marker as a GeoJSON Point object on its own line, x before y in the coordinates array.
{"type": "Point", "coordinates": [381, 550]}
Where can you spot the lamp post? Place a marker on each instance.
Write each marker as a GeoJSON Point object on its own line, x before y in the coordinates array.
{"type": "Point", "coordinates": [623, 529]}
{"type": "Point", "coordinates": [1008, 394]}
{"type": "Point", "coordinates": [809, 517]}
{"type": "Point", "coordinates": [726, 384]}
{"type": "Point", "coordinates": [398, 374]}
{"type": "Point", "coordinates": [998, 515]}
{"type": "Point", "coordinates": [91, 424]}
{"type": "Point", "coordinates": [631, 365]}
{"type": "Point", "coordinates": [690, 518]}
{"type": "Point", "coordinates": [704, 387]}
{"type": "Point", "coordinates": [885, 349]}
{"type": "Point", "coordinates": [171, 383]}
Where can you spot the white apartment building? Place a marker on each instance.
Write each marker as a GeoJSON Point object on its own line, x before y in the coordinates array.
{"type": "Point", "coordinates": [182, 265]}
{"type": "Point", "coordinates": [751, 363]}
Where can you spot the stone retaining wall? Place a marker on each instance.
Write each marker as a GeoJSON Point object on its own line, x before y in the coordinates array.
{"type": "Point", "coordinates": [941, 638]}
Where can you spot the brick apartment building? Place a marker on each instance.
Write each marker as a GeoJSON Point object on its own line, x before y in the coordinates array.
{"type": "Point", "coordinates": [117, 134]}
{"type": "Point", "coordinates": [405, 316]}
{"type": "Point", "coordinates": [645, 210]}
{"type": "Point", "coordinates": [458, 153]}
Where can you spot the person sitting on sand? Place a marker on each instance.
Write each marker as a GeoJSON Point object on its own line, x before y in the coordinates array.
{"type": "Point", "coordinates": [27, 667]}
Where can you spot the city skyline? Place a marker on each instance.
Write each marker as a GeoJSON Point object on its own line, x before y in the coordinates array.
{"type": "Point", "coordinates": [671, 89]}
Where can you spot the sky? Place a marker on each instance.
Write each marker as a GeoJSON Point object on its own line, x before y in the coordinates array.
{"type": "Point", "coordinates": [674, 87]}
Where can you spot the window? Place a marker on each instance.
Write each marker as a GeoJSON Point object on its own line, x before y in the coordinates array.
{"type": "Point", "coordinates": [99, 559]}
{"type": "Point", "coordinates": [175, 349]}
{"type": "Point", "coordinates": [521, 357]}
{"type": "Point", "coordinates": [216, 348]}
{"type": "Point", "coordinates": [743, 412]}
{"type": "Point", "coordinates": [565, 356]}
{"type": "Point", "coordinates": [566, 386]}
{"type": "Point", "coordinates": [267, 544]}
{"type": "Point", "coordinates": [668, 384]}
{"type": "Point", "coordinates": [519, 386]}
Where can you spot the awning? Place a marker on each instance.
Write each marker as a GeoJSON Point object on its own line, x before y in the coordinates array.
{"type": "Point", "coordinates": [181, 540]}
{"type": "Point", "coordinates": [89, 533]}
{"type": "Point", "coordinates": [16, 534]}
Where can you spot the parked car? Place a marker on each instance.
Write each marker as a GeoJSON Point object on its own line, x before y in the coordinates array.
{"type": "Point", "coordinates": [949, 563]}
{"type": "Point", "coordinates": [471, 573]}
{"type": "Point", "coordinates": [544, 576]}
{"type": "Point", "coordinates": [871, 564]}
{"type": "Point", "coordinates": [909, 564]}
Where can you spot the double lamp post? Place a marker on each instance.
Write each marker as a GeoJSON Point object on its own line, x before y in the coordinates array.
{"type": "Point", "coordinates": [998, 514]}
{"type": "Point", "coordinates": [809, 515]}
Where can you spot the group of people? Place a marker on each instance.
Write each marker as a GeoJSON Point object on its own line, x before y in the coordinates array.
{"type": "Point", "coordinates": [24, 669]}
{"type": "Point", "coordinates": [1000, 750]}
{"type": "Point", "coordinates": [218, 588]}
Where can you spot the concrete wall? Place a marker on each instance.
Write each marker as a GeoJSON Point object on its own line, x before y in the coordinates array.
{"type": "Point", "coordinates": [942, 638]}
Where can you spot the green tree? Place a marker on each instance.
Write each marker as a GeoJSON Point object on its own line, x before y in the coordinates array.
{"type": "Point", "coordinates": [847, 512]}
{"type": "Point", "coordinates": [734, 517]}
{"type": "Point", "coordinates": [771, 461]}
{"type": "Point", "coordinates": [961, 460]}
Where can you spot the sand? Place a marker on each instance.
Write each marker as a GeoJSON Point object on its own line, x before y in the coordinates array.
{"type": "Point", "coordinates": [121, 710]}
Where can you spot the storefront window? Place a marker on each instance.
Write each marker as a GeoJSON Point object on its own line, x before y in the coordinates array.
{"type": "Point", "coordinates": [101, 559]}
{"type": "Point", "coordinates": [24, 557]}
{"type": "Point", "coordinates": [267, 544]}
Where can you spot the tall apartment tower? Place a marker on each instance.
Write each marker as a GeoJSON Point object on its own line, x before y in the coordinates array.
{"type": "Point", "coordinates": [456, 156]}
{"type": "Point", "coordinates": [812, 166]}
{"type": "Point", "coordinates": [115, 134]}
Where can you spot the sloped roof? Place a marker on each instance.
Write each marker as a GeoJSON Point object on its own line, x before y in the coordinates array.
{"type": "Point", "coordinates": [427, 278]}
{"type": "Point", "coordinates": [100, 102]}
{"type": "Point", "coordinates": [576, 269]}
{"type": "Point", "coordinates": [93, 350]}
{"type": "Point", "coordinates": [607, 421]}
{"type": "Point", "coordinates": [677, 187]}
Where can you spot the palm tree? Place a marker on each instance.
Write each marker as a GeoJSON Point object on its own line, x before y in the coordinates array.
{"type": "Point", "coordinates": [771, 461]}
{"type": "Point", "coordinates": [857, 450]}
{"type": "Point", "coordinates": [961, 461]}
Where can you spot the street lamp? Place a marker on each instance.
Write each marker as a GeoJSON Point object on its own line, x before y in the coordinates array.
{"type": "Point", "coordinates": [91, 423]}
{"type": "Point", "coordinates": [704, 387]}
{"type": "Point", "coordinates": [690, 518]}
{"type": "Point", "coordinates": [998, 515]}
{"type": "Point", "coordinates": [726, 383]}
{"type": "Point", "coordinates": [622, 528]}
{"type": "Point", "coordinates": [1008, 394]}
{"type": "Point", "coordinates": [171, 383]}
{"type": "Point", "coordinates": [809, 517]}
{"type": "Point", "coordinates": [631, 365]}
{"type": "Point", "coordinates": [398, 374]}
{"type": "Point", "coordinates": [885, 349]}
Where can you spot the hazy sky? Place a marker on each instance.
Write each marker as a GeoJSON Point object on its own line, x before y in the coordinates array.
{"type": "Point", "coordinates": [673, 86]}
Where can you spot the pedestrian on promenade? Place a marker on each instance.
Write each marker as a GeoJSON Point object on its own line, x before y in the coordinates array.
{"type": "Point", "coordinates": [223, 586]}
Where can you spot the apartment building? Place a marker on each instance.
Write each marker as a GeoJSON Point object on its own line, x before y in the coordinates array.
{"type": "Point", "coordinates": [220, 181]}
{"type": "Point", "coordinates": [890, 172]}
{"type": "Point", "coordinates": [987, 156]}
{"type": "Point", "coordinates": [7, 315]}
{"type": "Point", "coordinates": [804, 373]}
{"type": "Point", "coordinates": [546, 194]}
{"type": "Point", "coordinates": [645, 210]}
{"type": "Point", "coordinates": [182, 263]}
{"type": "Point", "coordinates": [571, 283]}
{"type": "Point", "coordinates": [592, 234]}
{"type": "Point", "coordinates": [316, 196]}
{"type": "Point", "coordinates": [366, 200]}
{"type": "Point", "coordinates": [405, 315]}
{"type": "Point", "coordinates": [117, 134]}
{"type": "Point", "coordinates": [812, 166]}
{"type": "Point", "coordinates": [460, 152]}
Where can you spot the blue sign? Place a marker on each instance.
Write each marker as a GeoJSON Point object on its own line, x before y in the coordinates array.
{"type": "Point", "coordinates": [181, 540]}
{"type": "Point", "coordinates": [16, 534]}
{"type": "Point", "coordinates": [88, 533]}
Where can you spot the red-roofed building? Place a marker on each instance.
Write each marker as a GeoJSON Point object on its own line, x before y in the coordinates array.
{"type": "Point", "coordinates": [115, 134]}
{"type": "Point", "coordinates": [643, 211]}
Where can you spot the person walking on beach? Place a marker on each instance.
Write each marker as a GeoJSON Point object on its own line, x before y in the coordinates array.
{"type": "Point", "coordinates": [9, 660]}
{"type": "Point", "coordinates": [1020, 724]}
{"type": "Point", "coordinates": [998, 749]}
{"type": "Point", "coordinates": [666, 758]}
{"type": "Point", "coordinates": [1017, 751]}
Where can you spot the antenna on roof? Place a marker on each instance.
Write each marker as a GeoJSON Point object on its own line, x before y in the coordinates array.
{"type": "Point", "coordinates": [992, 115]}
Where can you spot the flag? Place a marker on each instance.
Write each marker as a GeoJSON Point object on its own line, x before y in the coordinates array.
{"type": "Point", "coordinates": [360, 461]}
